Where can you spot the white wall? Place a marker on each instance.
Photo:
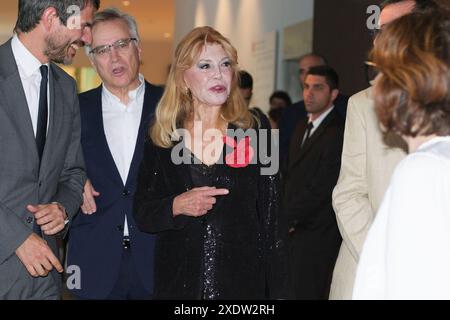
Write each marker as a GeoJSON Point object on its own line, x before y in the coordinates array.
{"type": "Point", "coordinates": [243, 21]}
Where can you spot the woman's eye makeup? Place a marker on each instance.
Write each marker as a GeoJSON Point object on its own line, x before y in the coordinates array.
{"type": "Point", "coordinates": [204, 65]}
{"type": "Point", "coordinates": [208, 65]}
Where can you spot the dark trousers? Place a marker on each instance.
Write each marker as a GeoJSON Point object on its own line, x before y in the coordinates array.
{"type": "Point", "coordinates": [128, 285]}
{"type": "Point", "coordinates": [311, 265]}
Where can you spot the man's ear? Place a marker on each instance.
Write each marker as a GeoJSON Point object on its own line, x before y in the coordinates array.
{"type": "Point", "coordinates": [139, 49]}
{"type": "Point", "coordinates": [334, 94]}
{"type": "Point", "coordinates": [91, 60]}
{"type": "Point", "coordinates": [49, 19]}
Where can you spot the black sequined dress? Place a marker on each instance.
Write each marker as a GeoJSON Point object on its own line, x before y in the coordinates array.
{"type": "Point", "coordinates": [232, 252]}
{"type": "Point", "coordinates": [203, 175]}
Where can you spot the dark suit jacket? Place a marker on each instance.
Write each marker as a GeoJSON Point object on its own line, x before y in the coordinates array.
{"type": "Point", "coordinates": [311, 176]}
{"type": "Point", "coordinates": [231, 252]}
{"type": "Point", "coordinates": [59, 176]}
{"type": "Point", "coordinates": [95, 242]}
{"type": "Point", "coordinates": [293, 113]}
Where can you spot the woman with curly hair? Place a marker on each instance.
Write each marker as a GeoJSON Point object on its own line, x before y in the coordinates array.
{"type": "Point", "coordinates": [407, 252]}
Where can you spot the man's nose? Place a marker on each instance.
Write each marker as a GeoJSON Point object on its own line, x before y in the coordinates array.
{"type": "Point", "coordinates": [113, 53]}
{"type": "Point", "coordinates": [86, 36]}
{"type": "Point", "coordinates": [306, 93]}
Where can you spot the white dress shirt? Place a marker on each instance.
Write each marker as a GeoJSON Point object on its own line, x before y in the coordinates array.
{"type": "Point", "coordinates": [121, 123]}
{"type": "Point", "coordinates": [316, 123]}
{"type": "Point", "coordinates": [406, 254]}
{"type": "Point", "coordinates": [30, 75]}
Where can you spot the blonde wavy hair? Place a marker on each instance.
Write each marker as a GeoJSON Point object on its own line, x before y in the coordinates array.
{"type": "Point", "coordinates": [176, 103]}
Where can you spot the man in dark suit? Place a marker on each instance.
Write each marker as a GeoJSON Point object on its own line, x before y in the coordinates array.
{"type": "Point", "coordinates": [115, 258]}
{"type": "Point", "coordinates": [296, 111]}
{"type": "Point", "coordinates": [312, 172]}
{"type": "Point", "coordinates": [41, 163]}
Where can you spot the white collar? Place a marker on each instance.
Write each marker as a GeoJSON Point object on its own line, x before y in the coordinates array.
{"type": "Point", "coordinates": [319, 120]}
{"type": "Point", "coordinates": [27, 63]}
{"type": "Point", "coordinates": [433, 141]}
{"type": "Point", "coordinates": [133, 94]}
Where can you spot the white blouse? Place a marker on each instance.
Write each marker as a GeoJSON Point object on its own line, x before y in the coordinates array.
{"type": "Point", "coordinates": [407, 251]}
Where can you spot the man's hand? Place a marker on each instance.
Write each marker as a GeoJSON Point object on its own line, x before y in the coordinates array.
{"type": "Point", "coordinates": [50, 217]}
{"type": "Point", "coordinates": [37, 256]}
{"type": "Point", "coordinates": [89, 206]}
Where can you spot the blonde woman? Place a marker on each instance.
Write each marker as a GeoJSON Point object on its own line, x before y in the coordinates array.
{"type": "Point", "coordinates": [201, 191]}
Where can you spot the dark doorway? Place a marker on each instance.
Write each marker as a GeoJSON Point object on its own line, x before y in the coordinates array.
{"type": "Point", "coordinates": [342, 36]}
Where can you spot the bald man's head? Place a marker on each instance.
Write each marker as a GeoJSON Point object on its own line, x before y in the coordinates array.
{"type": "Point", "coordinates": [395, 10]}
{"type": "Point", "coordinates": [306, 62]}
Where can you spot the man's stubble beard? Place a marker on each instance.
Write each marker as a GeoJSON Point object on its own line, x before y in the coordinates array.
{"type": "Point", "coordinates": [58, 53]}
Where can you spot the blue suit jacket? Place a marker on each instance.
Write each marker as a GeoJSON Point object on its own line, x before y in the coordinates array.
{"type": "Point", "coordinates": [95, 241]}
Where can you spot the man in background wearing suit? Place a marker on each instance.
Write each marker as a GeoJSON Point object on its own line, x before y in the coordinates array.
{"type": "Point", "coordinates": [368, 159]}
{"type": "Point", "coordinates": [312, 172]}
{"type": "Point", "coordinates": [293, 113]}
{"type": "Point", "coordinates": [115, 258]}
{"type": "Point", "coordinates": [41, 163]}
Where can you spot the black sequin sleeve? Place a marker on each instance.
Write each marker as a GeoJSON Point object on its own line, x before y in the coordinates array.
{"type": "Point", "coordinates": [275, 244]}
{"type": "Point", "coordinates": [153, 202]}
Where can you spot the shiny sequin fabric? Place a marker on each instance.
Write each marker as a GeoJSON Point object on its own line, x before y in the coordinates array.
{"type": "Point", "coordinates": [232, 252]}
{"type": "Point", "coordinates": [202, 175]}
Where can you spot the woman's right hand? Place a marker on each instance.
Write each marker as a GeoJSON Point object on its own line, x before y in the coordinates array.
{"type": "Point", "coordinates": [196, 202]}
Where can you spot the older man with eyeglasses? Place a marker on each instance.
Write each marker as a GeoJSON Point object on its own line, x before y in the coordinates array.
{"type": "Point", "coordinates": [115, 258]}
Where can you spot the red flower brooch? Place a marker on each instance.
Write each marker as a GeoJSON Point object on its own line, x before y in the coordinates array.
{"type": "Point", "coordinates": [242, 153]}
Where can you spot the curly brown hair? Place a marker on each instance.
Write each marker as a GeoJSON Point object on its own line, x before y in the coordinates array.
{"type": "Point", "coordinates": [412, 91]}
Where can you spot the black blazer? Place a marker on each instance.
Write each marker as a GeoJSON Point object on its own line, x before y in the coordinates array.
{"type": "Point", "coordinates": [312, 173]}
{"type": "Point", "coordinates": [238, 236]}
{"type": "Point", "coordinates": [294, 113]}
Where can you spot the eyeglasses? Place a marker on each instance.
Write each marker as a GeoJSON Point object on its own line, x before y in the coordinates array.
{"type": "Point", "coordinates": [371, 70]}
{"type": "Point", "coordinates": [371, 64]}
{"type": "Point", "coordinates": [120, 46]}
